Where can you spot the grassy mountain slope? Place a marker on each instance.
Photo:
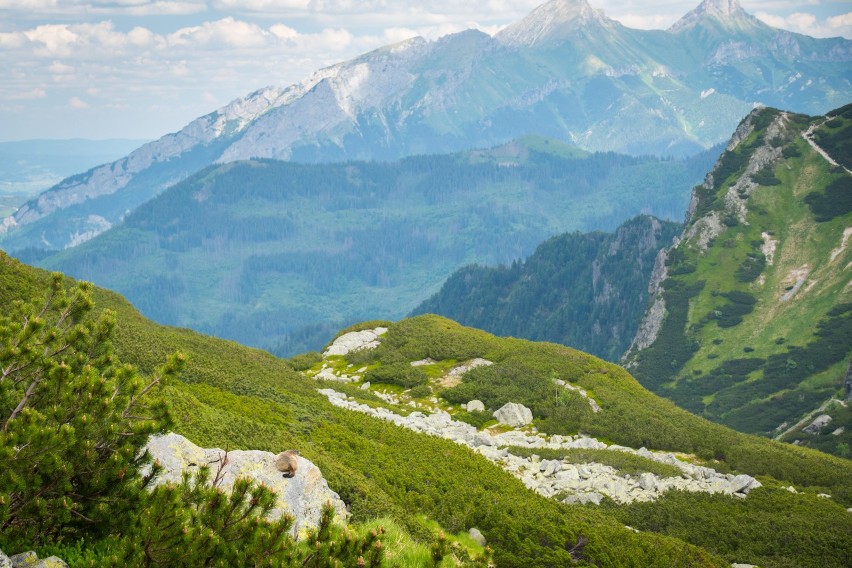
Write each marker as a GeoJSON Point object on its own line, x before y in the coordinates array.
{"type": "Point", "coordinates": [281, 255]}
{"type": "Point", "coordinates": [758, 298]}
{"type": "Point", "coordinates": [586, 290]}
{"type": "Point", "coordinates": [233, 396]}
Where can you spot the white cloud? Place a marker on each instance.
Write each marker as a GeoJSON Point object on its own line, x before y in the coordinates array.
{"type": "Point", "coordinates": [807, 23]}
{"type": "Point", "coordinates": [54, 8]}
{"type": "Point", "coordinates": [186, 57]}
{"type": "Point", "coordinates": [32, 94]}
{"type": "Point", "coordinates": [77, 103]}
{"type": "Point", "coordinates": [841, 24]}
{"type": "Point", "coordinates": [53, 39]}
{"type": "Point", "coordinates": [59, 68]}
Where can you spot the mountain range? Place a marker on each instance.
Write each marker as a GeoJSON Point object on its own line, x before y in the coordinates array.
{"type": "Point", "coordinates": [28, 167]}
{"type": "Point", "coordinates": [566, 71]}
{"type": "Point", "coordinates": [281, 255]}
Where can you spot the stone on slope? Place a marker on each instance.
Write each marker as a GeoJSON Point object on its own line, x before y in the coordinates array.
{"type": "Point", "coordinates": [355, 340]}
{"type": "Point", "coordinates": [477, 536]}
{"type": "Point", "coordinates": [818, 424]}
{"type": "Point", "coordinates": [302, 496]}
{"type": "Point", "coordinates": [514, 414]}
{"type": "Point", "coordinates": [475, 406]}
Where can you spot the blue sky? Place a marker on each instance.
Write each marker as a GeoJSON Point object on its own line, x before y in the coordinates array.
{"type": "Point", "coordinates": [142, 68]}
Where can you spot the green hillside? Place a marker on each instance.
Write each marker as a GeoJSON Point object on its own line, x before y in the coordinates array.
{"type": "Point", "coordinates": [586, 290]}
{"type": "Point", "coordinates": [236, 397]}
{"type": "Point", "coordinates": [281, 255]}
{"type": "Point", "coordinates": [757, 299]}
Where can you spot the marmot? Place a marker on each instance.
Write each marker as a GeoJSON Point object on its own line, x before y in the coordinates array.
{"type": "Point", "coordinates": [288, 462]}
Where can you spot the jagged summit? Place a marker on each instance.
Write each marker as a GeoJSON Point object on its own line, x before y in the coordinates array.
{"type": "Point", "coordinates": [728, 12]}
{"type": "Point", "coordinates": [551, 21]}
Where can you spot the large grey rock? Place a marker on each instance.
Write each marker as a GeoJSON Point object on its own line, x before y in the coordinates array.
{"type": "Point", "coordinates": [5, 562]}
{"type": "Point", "coordinates": [355, 340]}
{"type": "Point", "coordinates": [475, 406]}
{"type": "Point", "coordinates": [50, 562]}
{"type": "Point", "coordinates": [459, 370]}
{"type": "Point", "coordinates": [514, 414]}
{"type": "Point", "coordinates": [648, 481]}
{"type": "Point", "coordinates": [28, 558]}
{"type": "Point", "coordinates": [818, 424]}
{"type": "Point", "coordinates": [477, 536]}
{"type": "Point", "coordinates": [302, 496]}
{"type": "Point", "coordinates": [743, 484]}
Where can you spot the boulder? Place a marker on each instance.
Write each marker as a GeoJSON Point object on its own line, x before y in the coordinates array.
{"type": "Point", "coordinates": [482, 439]}
{"type": "Point", "coordinates": [475, 406]}
{"type": "Point", "coordinates": [743, 484]}
{"type": "Point", "coordinates": [365, 386]}
{"type": "Point", "coordinates": [459, 370]}
{"type": "Point", "coordinates": [355, 340]}
{"type": "Point", "coordinates": [24, 559]}
{"type": "Point", "coordinates": [477, 536]}
{"type": "Point", "coordinates": [818, 424]}
{"type": "Point", "coordinates": [648, 481]}
{"type": "Point", "coordinates": [301, 496]}
{"type": "Point", "coordinates": [514, 414]}
{"type": "Point", "coordinates": [30, 560]}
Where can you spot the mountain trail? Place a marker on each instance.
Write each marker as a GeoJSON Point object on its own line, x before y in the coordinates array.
{"type": "Point", "coordinates": [843, 242]}
{"type": "Point", "coordinates": [808, 136]}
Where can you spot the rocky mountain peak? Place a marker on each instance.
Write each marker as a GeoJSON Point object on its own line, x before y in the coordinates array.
{"type": "Point", "coordinates": [551, 21]}
{"type": "Point", "coordinates": [728, 12]}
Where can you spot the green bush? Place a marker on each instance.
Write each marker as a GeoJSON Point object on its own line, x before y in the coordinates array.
{"type": "Point", "coordinates": [420, 391]}
{"type": "Point", "coordinates": [400, 374]}
{"type": "Point", "coordinates": [477, 418]}
{"type": "Point", "coordinates": [73, 418]}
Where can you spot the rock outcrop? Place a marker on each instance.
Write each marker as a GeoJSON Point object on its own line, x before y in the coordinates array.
{"type": "Point", "coordinates": [514, 414]}
{"type": "Point", "coordinates": [818, 424]}
{"type": "Point", "coordinates": [30, 560]}
{"type": "Point", "coordinates": [302, 496]}
{"type": "Point", "coordinates": [355, 340]}
{"type": "Point", "coordinates": [582, 483]}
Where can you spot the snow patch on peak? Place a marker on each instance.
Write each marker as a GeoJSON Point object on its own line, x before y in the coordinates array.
{"type": "Point", "coordinates": [550, 20]}
{"type": "Point", "coordinates": [237, 114]}
{"type": "Point", "coordinates": [728, 12]}
{"type": "Point", "coordinates": [720, 7]}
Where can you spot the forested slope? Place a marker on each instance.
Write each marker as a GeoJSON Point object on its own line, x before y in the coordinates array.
{"type": "Point", "coordinates": [280, 255]}
{"type": "Point", "coordinates": [585, 290]}
{"type": "Point", "coordinates": [756, 296]}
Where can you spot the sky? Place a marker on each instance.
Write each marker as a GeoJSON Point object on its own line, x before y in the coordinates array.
{"type": "Point", "coordinates": [142, 68]}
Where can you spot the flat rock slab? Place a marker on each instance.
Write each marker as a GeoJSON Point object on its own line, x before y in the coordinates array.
{"type": "Point", "coordinates": [355, 340]}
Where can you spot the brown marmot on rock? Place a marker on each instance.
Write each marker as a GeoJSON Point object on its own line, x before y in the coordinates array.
{"type": "Point", "coordinates": [288, 462]}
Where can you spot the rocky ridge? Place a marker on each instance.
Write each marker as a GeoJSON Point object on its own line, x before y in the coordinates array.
{"type": "Point", "coordinates": [570, 482]}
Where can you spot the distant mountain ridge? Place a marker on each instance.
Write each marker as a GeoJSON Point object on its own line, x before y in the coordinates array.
{"type": "Point", "coordinates": [281, 255]}
{"type": "Point", "coordinates": [565, 71]}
